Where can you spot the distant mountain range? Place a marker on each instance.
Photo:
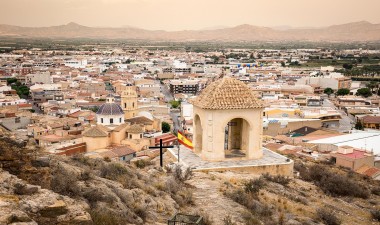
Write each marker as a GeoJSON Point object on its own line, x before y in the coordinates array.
{"type": "Point", "coordinates": [350, 32]}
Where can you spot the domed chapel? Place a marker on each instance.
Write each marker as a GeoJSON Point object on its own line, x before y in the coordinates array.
{"type": "Point", "coordinates": [227, 121]}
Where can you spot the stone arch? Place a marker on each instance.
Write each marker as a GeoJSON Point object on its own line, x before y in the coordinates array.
{"type": "Point", "coordinates": [236, 137]}
{"type": "Point", "coordinates": [198, 134]}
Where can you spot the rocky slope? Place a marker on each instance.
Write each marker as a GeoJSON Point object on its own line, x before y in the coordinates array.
{"type": "Point", "coordinates": [36, 189]}
{"type": "Point", "coordinates": [83, 191]}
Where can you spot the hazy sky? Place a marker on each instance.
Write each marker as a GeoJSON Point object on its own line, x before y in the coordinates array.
{"type": "Point", "coordinates": [187, 14]}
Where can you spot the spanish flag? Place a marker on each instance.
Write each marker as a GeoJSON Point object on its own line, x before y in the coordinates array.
{"type": "Point", "coordinates": [183, 140]}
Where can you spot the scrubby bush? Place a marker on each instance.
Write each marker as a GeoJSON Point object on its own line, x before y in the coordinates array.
{"type": "Point", "coordinates": [228, 220]}
{"type": "Point", "coordinates": [376, 191]}
{"type": "Point", "coordinates": [280, 179]}
{"type": "Point", "coordinates": [332, 183]}
{"type": "Point", "coordinates": [327, 217]}
{"type": "Point", "coordinates": [182, 175]}
{"type": "Point", "coordinates": [248, 200]}
{"type": "Point", "coordinates": [113, 170]}
{"type": "Point", "coordinates": [100, 217]}
{"type": "Point", "coordinates": [141, 164]}
{"type": "Point", "coordinates": [375, 214]}
{"type": "Point", "coordinates": [64, 183]}
{"type": "Point", "coordinates": [250, 219]}
{"type": "Point", "coordinates": [253, 186]}
{"type": "Point", "coordinates": [141, 211]}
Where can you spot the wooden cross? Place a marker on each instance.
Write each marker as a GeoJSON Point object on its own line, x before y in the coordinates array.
{"type": "Point", "coordinates": [161, 151]}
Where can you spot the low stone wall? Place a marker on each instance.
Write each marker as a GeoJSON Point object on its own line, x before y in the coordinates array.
{"type": "Point", "coordinates": [280, 169]}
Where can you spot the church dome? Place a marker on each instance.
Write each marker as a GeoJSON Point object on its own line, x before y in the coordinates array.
{"type": "Point", "coordinates": [227, 93]}
{"type": "Point", "coordinates": [110, 109]}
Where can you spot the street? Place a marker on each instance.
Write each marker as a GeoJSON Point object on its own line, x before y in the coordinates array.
{"type": "Point", "coordinates": [174, 115]}
{"type": "Point", "coordinates": [345, 124]}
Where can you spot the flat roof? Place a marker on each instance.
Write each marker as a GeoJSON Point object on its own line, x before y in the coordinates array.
{"type": "Point", "coordinates": [362, 140]}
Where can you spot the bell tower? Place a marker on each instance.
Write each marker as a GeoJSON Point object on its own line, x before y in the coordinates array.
{"type": "Point", "coordinates": [129, 101]}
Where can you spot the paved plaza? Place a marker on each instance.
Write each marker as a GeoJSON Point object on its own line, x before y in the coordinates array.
{"type": "Point", "coordinates": [189, 158]}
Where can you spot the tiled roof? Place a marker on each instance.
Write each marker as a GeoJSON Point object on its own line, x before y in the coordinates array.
{"type": "Point", "coordinates": [135, 129]}
{"type": "Point", "coordinates": [227, 93]}
{"type": "Point", "coordinates": [368, 171]}
{"type": "Point", "coordinates": [139, 120]}
{"type": "Point", "coordinates": [97, 131]}
{"type": "Point", "coordinates": [110, 109]}
{"type": "Point", "coordinates": [371, 119]}
{"type": "Point", "coordinates": [123, 151]}
{"type": "Point", "coordinates": [120, 127]}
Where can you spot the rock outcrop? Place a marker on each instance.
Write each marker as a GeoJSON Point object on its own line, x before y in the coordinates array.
{"type": "Point", "coordinates": [22, 203]}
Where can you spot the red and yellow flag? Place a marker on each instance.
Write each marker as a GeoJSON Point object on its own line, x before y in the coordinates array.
{"type": "Point", "coordinates": [183, 140]}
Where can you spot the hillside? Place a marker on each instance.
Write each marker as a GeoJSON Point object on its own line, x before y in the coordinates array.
{"type": "Point", "coordinates": [40, 189]}
{"type": "Point", "coordinates": [351, 32]}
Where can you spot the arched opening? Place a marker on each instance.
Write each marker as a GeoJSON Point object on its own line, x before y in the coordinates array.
{"type": "Point", "coordinates": [198, 132]}
{"type": "Point", "coordinates": [236, 138]}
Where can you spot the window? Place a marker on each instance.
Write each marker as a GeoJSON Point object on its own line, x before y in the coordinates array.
{"type": "Point", "coordinates": [101, 120]}
{"type": "Point", "coordinates": [140, 135]}
{"type": "Point", "coordinates": [119, 120]}
{"type": "Point", "coordinates": [111, 120]}
{"type": "Point", "coordinates": [130, 136]}
{"type": "Point", "coordinates": [133, 105]}
{"type": "Point", "coordinates": [125, 105]}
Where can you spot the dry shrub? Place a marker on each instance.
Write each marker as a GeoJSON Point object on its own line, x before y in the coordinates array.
{"type": "Point", "coordinates": [206, 218]}
{"type": "Point", "coordinates": [376, 191]}
{"type": "Point", "coordinates": [280, 179]}
{"type": "Point", "coordinates": [94, 195]}
{"type": "Point", "coordinates": [141, 164]}
{"type": "Point", "coordinates": [141, 211]}
{"type": "Point", "coordinates": [182, 175]}
{"type": "Point", "coordinates": [113, 170]}
{"type": "Point", "coordinates": [253, 186]}
{"type": "Point", "coordinates": [250, 219]}
{"type": "Point", "coordinates": [100, 217]}
{"type": "Point", "coordinates": [327, 217]}
{"type": "Point", "coordinates": [332, 183]}
{"type": "Point", "coordinates": [64, 183]}
{"type": "Point", "coordinates": [376, 215]}
{"type": "Point", "coordinates": [248, 200]}
{"type": "Point", "coordinates": [228, 220]}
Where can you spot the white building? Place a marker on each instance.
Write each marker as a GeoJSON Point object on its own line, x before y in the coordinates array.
{"type": "Point", "coordinates": [110, 113]}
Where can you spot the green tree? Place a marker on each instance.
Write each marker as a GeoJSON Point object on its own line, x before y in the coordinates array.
{"type": "Point", "coordinates": [359, 125]}
{"type": "Point", "coordinates": [372, 85]}
{"type": "Point", "coordinates": [328, 91]}
{"type": "Point", "coordinates": [165, 127]}
{"type": "Point", "coordinates": [347, 66]}
{"type": "Point", "coordinates": [11, 81]}
{"type": "Point", "coordinates": [365, 92]}
{"type": "Point", "coordinates": [175, 104]}
{"type": "Point", "coordinates": [343, 91]}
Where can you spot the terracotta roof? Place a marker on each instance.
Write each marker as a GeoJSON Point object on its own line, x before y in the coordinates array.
{"type": "Point", "coordinates": [108, 154]}
{"type": "Point", "coordinates": [123, 151]}
{"type": "Point", "coordinates": [97, 131]}
{"type": "Point", "coordinates": [120, 127]}
{"type": "Point", "coordinates": [371, 119]}
{"type": "Point", "coordinates": [368, 171]}
{"type": "Point", "coordinates": [139, 120]}
{"type": "Point", "coordinates": [135, 129]}
{"type": "Point", "coordinates": [227, 93]}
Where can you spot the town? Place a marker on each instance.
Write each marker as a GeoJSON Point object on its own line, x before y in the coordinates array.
{"type": "Point", "coordinates": [274, 109]}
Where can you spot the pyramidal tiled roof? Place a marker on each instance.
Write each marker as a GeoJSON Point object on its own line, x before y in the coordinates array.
{"type": "Point", "coordinates": [135, 129]}
{"type": "Point", "coordinates": [97, 131]}
{"type": "Point", "coordinates": [227, 93]}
